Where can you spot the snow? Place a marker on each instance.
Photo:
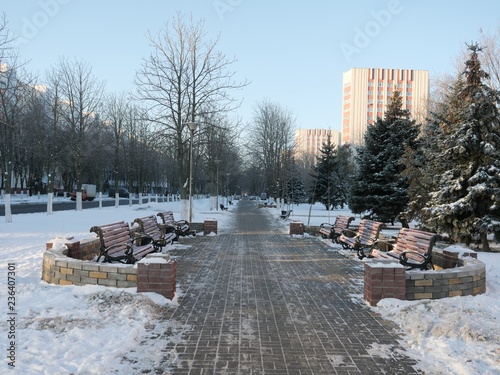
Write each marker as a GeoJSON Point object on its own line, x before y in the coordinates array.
{"type": "Point", "coordinates": [97, 330]}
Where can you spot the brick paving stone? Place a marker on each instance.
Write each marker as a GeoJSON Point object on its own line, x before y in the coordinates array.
{"type": "Point", "coordinates": [256, 301]}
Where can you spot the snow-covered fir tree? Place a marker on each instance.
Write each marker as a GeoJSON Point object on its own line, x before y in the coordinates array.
{"type": "Point", "coordinates": [467, 200]}
{"type": "Point", "coordinates": [380, 188]}
{"type": "Point", "coordinates": [296, 190]}
{"type": "Point", "coordinates": [328, 188]}
{"type": "Point", "coordinates": [423, 169]}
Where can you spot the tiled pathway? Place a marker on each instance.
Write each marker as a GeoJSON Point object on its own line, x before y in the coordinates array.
{"type": "Point", "coordinates": [258, 302]}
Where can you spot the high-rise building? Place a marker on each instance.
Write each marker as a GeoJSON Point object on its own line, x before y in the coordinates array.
{"type": "Point", "coordinates": [366, 93]}
{"type": "Point", "coordinates": [309, 141]}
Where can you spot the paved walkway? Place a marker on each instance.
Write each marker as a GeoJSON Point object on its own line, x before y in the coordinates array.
{"type": "Point", "coordinates": [259, 302]}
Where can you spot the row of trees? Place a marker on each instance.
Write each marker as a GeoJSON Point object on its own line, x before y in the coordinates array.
{"type": "Point", "coordinates": [70, 132]}
{"type": "Point", "coordinates": [444, 173]}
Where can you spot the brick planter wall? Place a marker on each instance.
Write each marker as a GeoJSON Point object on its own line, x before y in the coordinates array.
{"type": "Point", "coordinates": [296, 228]}
{"type": "Point", "coordinates": [209, 226]}
{"type": "Point", "coordinates": [384, 280]}
{"type": "Point", "coordinates": [451, 257]}
{"type": "Point", "coordinates": [79, 269]}
{"type": "Point", "coordinates": [467, 277]}
{"type": "Point", "coordinates": [157, 273]}
{"type": "Point", "coordinates": [59, 268]}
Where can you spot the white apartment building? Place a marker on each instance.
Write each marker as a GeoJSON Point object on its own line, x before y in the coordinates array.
{"type": "Point", "coordinates": [366, 93]}
{"type": "Point", "coordinates": [310, 141]}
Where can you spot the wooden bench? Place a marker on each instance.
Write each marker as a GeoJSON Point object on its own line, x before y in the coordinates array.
{"type": "Point", "coordinates": [333, 231]}
{"type": "Point", "coordinates": [222, 207]}
{"type": "Point", "coordinates": [285, 214]}
{"type": "Point", "coordinates": [413, 249]}
{"type": "Point", "coordinates": [116, 244]}
{"type": "Point", "coordinates": [365, 236]}
{"type": "Point", "coordinates": [182, 227]}
{"type": "Point", "coordinates": [152, 232]}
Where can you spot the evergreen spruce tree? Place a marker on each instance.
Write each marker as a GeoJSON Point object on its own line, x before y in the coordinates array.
{"type": "Point", "coordinates": [296, 189]}
{"type": "Point", "coordinates": [467, 201]}
{"type": "Point", "coordinates": [327, 187]}
{"type": "Point", "coordinates": [423, 165]}
{"type": "Point", "coordinates": [346, 168]}
{"type": "Point", "coordinates": [380, 187]}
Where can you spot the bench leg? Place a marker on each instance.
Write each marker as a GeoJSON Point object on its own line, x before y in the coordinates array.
{"type": "Point", "coordinates": [361, 254]}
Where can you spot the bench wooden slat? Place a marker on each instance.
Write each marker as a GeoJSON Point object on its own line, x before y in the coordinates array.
{"type": "Point", "coordinates": [365, 236]}
{"type": "Point", "coordinates": [333, 231]}
{"type": "Point", "coordinates": [413, 249]}
{"type": "Point", "coordinates": [157, 234]}
{"type": "Point", "coordinates": [116, 244]}
{"type": "Point", "coordinates": [182, 227]}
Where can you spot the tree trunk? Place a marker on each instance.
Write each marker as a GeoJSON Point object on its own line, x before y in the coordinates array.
{"type": "Point", "coordinates": [8, 212]}
{"type": "Point", "coordinates": [184, 209]}
{"type": "Point", "coordinates": [50, 196]}
{"type": "Point", "coordinates": [213, 202]}
{"type": "Point", "coordinates": [484, 241]}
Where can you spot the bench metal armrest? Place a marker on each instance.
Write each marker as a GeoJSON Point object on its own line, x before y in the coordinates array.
{"type": "Point", "coordinates": [127, 258]}
{"type": "Point", "coordinates": [413, 263]}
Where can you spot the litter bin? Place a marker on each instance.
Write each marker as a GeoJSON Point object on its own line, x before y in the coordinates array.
{"type": "Point", "coordinates": [297, 228]}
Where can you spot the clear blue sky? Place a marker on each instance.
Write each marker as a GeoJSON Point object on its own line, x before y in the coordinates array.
{"type": "Point", "coordinates": [294, 52]}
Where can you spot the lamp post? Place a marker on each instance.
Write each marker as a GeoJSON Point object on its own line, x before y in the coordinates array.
{"type": "Point", "coordinates": [217, 161]}
{"type": "Point", "coordinates": [192, 127]}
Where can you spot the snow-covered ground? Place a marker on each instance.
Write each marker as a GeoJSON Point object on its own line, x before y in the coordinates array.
{"type": "Point", "coordinates": [99, 330]}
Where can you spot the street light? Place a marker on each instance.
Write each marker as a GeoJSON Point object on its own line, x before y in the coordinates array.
{"type": "Point", "coordinates": [192, 127]}
{"type": "Point", "coordinates": [217, 161]}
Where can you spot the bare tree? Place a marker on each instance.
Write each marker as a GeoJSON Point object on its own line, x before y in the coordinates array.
{"type": "Point", "coordinates": [218, 152]}
{"type": "Point", "coordinates": [272, 138]}
{"type": "Point", "coordinates": [490, 59]}
{"type": "Point", "coordinates": [117, 113]}
{"type": "Point", "coordinates": [53, 107]}
{"type": "Point", "coordinates": [32, 136]}
{"type": "Point", "coordinates": [14, 87]}
{"type": "Point", "coordinates": [183, 78]}
{"type": "Point", "coordinates": [81, 94]}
